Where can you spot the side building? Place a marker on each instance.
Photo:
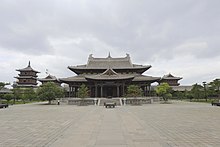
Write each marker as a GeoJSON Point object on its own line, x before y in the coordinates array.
{"type": "Point", "coordinates": [170, 79]}
{"type": "Point", "coordinates": [50, 78]}
{"type": "Point", "coordinates": [109, 77]}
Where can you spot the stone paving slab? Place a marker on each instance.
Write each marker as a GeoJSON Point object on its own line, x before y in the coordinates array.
{"type": "Point", "coordinates": [180, 124]}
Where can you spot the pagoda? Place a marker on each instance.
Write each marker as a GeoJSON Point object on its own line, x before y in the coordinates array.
{"type": "Point", "coordinates": [27, 77]}
{"type": "Point", "coordinates": [170, 79]}
{"type": "Point", "coordinates": [109, 77]}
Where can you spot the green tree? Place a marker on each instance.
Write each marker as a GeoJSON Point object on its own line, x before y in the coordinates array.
{"type": "Point", "coordinates": [29, 94]}
{"type": "Point", "coordinates": [24, 98]}
{"type": "Point", "coordinates": [8, 97]}
{"type": "Point", "coordinates": [17, 93]}
{"type": "Point", "coordinates": [178, 94]}
{"type": "Point", "coordinates": [211, 92]}
{"type": "Point", "coordinates": [22, 94]}
{"type": "Point", "coordinates": [49, 91]}
{"type": "Point", "coordinates": [134, 91]}
{"type": "Point", "coordinates": [83, 91]}
{"type": "Point", "coordinates": [2, 85]}
{"type": "Point", "coordinates": [197, 91]}
{"type": "Point", "coordinates": [215, 86]}
{"type": "Point", "coordinates": [164, 90]}
{"type": "Point", "coordinates": [188, 95]}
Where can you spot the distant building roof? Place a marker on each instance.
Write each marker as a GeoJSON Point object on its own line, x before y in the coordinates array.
{"type": "Point", "coordinates": [170, 77]}
{"type": "Point", "coordinates": [28, 68]}
{"type": "Point", "coordinates": [177, 88]}
{"type": "Point", "coordinates": [182, 88]}
{"type": "Point", "coordinates": [5, 90]}
{"type": "Point", "coordinates": [48, 78]}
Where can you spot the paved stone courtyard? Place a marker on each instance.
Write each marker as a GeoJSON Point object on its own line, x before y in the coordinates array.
{"type": "Point", "coordinates": [154, 125]}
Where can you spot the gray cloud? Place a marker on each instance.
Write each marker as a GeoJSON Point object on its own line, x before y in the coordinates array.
{"type": "Point", "coordinates": [150, 30]}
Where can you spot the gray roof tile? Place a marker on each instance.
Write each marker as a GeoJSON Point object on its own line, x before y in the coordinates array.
{"type": "Point", "coordinates": [109, 62]}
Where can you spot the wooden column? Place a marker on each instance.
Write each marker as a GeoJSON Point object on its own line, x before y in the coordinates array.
{"type": "Point", "coordinates": [75, 93]}
{"type": "Point", "coordinates": [95, 90]}
{"type": "Point", "coordinates": [72, 91]}
{"type": "Point", "coordinates": [117, 90]}
{"type": "Point", "coordinates": [149, 90]}
{"type": "Point", "coordinates": [101, 90]}
{"type": "Point", "coordinates": [90, 89]}
{"type": "Point", "coordinates": [123, 89]}
{"type": "Point", "coordinates": [145, 90]}
{"type": "Point", "coordinates": [69, 90]}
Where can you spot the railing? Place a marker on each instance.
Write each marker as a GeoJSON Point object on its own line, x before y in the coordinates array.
{"type": "Point", "coordinates": [77, 101]}
{"type": "Point", "coordinates": [140, 100]}
{"type": "Point", "coordinates": [100, 101]}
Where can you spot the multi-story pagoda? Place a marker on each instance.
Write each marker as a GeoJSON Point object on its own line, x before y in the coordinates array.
{"type": "Point", "coordinates": [109, 77]}
{"type": "Point", "coordinates": [170, 79]}
{"type": "Point", "coordinates": [50, 78]}
{"type": "Point", "coordinates": [27, 77]}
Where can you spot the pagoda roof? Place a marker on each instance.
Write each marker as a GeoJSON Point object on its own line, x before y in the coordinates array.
{"type": "Point", "coordinates": [138, 78]}
{"type": "Point", "coordinates": [109, 74]}
{"type": "Point", "coordinates": [26, 85]}
{"type": "Point", "coordinates": [28, 68]}
{"type": "Point", "coordinates": [26, 77]}
{"type": "Point", "coordinates": [170, 77]}
{"type": "Point", "coordinates": [109, 62]}
{"type": "Point", "coordinates": [48, 78]}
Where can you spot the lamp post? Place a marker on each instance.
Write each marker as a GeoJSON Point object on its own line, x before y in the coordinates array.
{"type": "Point", "coordinates": [204, 85]}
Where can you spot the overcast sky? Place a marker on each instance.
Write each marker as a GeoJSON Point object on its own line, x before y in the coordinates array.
{"type": "Point", "coordinates": [178, 37]}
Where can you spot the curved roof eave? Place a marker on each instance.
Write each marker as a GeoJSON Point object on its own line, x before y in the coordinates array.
{"type": "Point", "coordinates": [171, 78]}
{"type": "Point", "coordinates": [92, 68]}
{"type": "Point", "coordinates": [73, 79]}
{"type": "Point", "coordinates": [27, 70]}
{"type": "Point", "coordinates": [146, 78]}
{"type": "Point", "coordinates": [110, 78]}
{"type": "Point", "coordinates": [43, 80]}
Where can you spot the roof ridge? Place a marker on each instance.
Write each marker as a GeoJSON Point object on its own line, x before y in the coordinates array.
{"type": "Point", "coordinates": [109, 72]}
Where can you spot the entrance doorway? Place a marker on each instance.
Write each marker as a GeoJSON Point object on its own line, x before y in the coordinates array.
{"type": "Point", "coordinates": [109, 91]}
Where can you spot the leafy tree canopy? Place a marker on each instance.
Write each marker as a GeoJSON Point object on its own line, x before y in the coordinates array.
{"type": "Point", "coordinates": [197, 91]}
{"type": "Point", "coordinates": [49, 91]}
{"type": "Point", "coordinates": [29, 94]}
{"type": "Point", "coordinates": [2, 85]}
{"type": "Point", "coordinates": [134, 91]}
{"type": "Point", "coordinates": [215, 84]}
{"type": "Point", "coordinates": [17, 93]}
{"type": "Point", "coordinates": [83, 91]}
{"type": "Point", "coordinates": [8, 97]}
{"type": "Point", "coordinates": [164, 90]}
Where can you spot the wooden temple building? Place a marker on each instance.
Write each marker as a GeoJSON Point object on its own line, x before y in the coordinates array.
{"type": "Point", "coordinates": [27, 77]}
{"type": "Point", "coordinates": [170, 79]}
{"type": "Point", "coordinates": [105, 77]}
{"type": "Point", "coordinates": [109, 77]}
